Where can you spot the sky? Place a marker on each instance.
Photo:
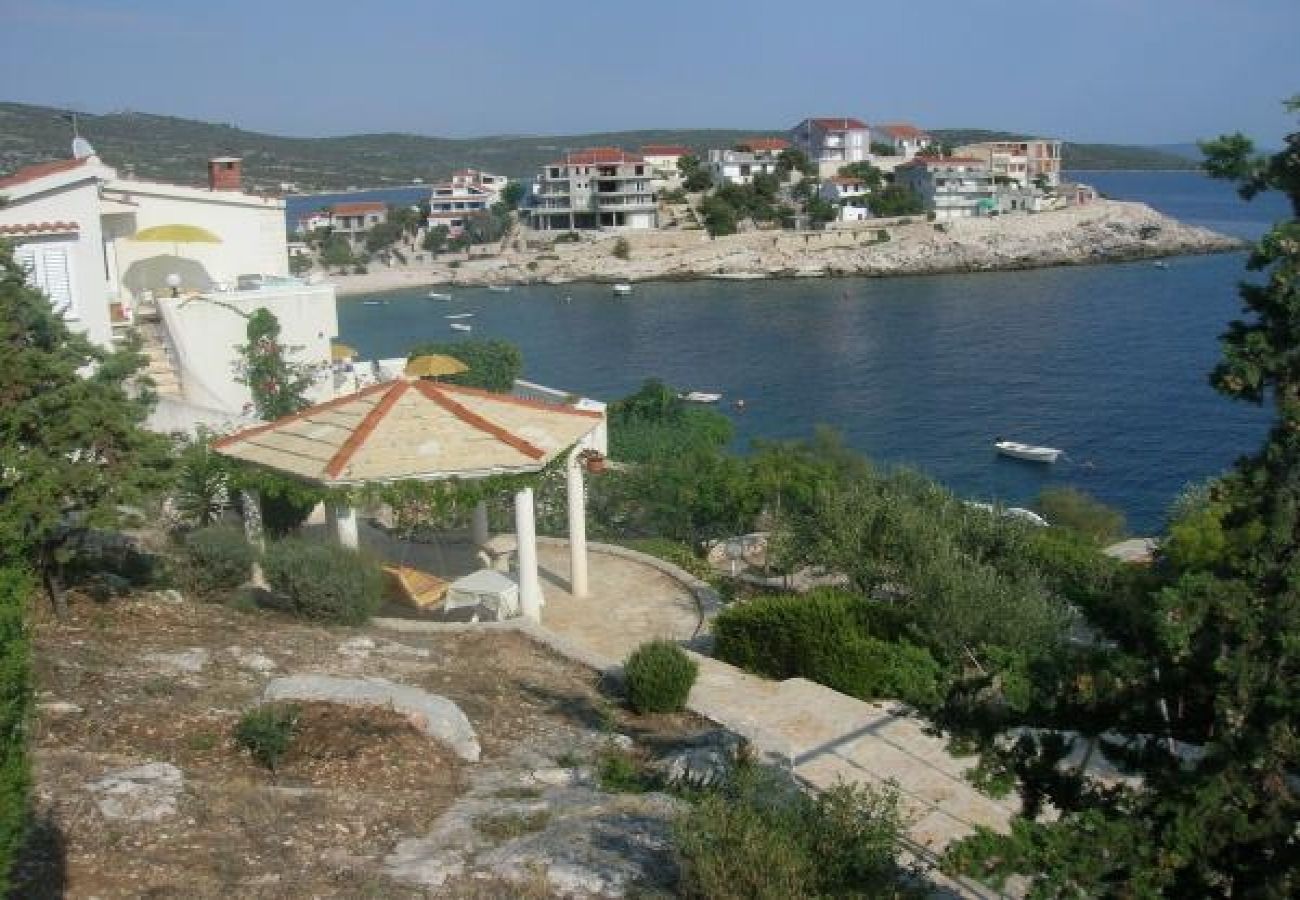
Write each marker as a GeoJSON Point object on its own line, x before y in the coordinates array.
{"type": "Point", "coordinates": [1122, 71]}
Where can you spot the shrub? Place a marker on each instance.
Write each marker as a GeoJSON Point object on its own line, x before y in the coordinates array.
{"type": "Point", "coordinates": [219, 557]}
{"type": "Point", "coordinates": [493, 365]}
{"type": "Point", "coordinates": [1068, 507]}
{"type": "Point", "coordinates": [675, 552]}
{"type": "Point", "coordinates": [659, 677]}
{"type": "Point", "coordinates": [267, 732]}
{"type": "Point", "coordinates": [15, 706]}
{"type": "Point", "coordinates": [325, 583]}
{"type": "Point", "coordinates": [758, 836]}
{"type": "Point", "coordinates": [827, 637]}
{"type": "Point", "coordinates": [622, 249]}
{"type": "Point", "coordinates": [622, 772]}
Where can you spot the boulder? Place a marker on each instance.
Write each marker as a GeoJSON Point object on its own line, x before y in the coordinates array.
{"type": "Point", "coordinates": [145, 793]}
{"type": "Point", "coordinates": [190, 661]}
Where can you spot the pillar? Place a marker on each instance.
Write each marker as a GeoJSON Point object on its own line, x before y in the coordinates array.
{"type": "Point", "coordinates": [345, 524]}
{"type": "Point", "coordinates": [478, 529]}
{"type": "Point", "coordinates": [577, 527]}
{"type": "Point", "coordinates": [252, 506]}
{"type": "Point", "coordinates": [530, 592]}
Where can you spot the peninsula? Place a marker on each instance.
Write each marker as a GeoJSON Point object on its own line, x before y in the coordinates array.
{"type": "Point", "coordinates": [1100, 232]}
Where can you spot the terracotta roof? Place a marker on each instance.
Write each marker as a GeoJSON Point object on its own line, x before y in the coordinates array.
{"type": "Point", "coordinates": [845, 179]}
{"type": "Point", "coordinates": [665, 150]}
{"type": "Point", "coordinates": [757, 144]}
{"type": "Point", "coordinates": [412, 429]}
{"type": "Point", "coordinates": [357, 208]}
{"type": "Point", "coordinates": [902, 130]}
{"type": "Point", "coordinates": [40, 228]}
{"type": "Point", "coordinates": [40, 170]}
{"type": "Point", "coordinates": [838, 124]}
{"type": "Point", "coordinates": [594, 156]}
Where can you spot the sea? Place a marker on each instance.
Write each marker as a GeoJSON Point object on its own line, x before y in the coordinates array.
{"type": "Point", "coordinates": [1107, 362]}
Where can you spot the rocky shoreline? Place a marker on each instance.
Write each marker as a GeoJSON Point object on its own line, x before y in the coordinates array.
{"type": "Point", "coordinates": [1105, 231]}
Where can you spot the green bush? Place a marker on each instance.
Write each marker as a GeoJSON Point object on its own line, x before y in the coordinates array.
{"type": "Point", "coordinates": [1067, 507]}
{"type": "Point", "coordinates": [836, 639]}
{"type": "Point", "coordinates": [493, 365]}
{"type": "Point", "coordinates": [675, 552]}
{"type": "Point", "coordinates": [622, 249]}
{"type": "Point", "coordinates": [15, 706]}
{"type": "Point", "coordinates": [758, 837]}
{"type": "Point", "coordinates": [219, 557]}
{"type": "Point", "coordinates": [267, 732]}
{"type": "Point", "coordinates": [323, 582]}
{"type": "Point", "coordinates": [659, 677]}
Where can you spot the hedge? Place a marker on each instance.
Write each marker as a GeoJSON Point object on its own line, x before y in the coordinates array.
{"type": "Point", "coordinates": [219, 557]}
{"type": "Point", "coordinates": [324, 582]}
{"type": "Point", "coordinates": [15, 706]}
{"type": "Point", "coordinates": [827, 637]}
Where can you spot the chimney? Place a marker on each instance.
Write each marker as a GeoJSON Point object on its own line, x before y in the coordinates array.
{"type": "Point", "coordinates": [225, 173]}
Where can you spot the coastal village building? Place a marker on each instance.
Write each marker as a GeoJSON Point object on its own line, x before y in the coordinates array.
{"type": "Point", "coordinates": [849, 195]}
{"type": "Point", "coordinates": [955, 187]}
{"type": "Point", "coordinates": [321, 218]}
{"type": "Point", "coordinates": [1021, 161]}
{"type": "Point", "coordinates": [493, 184]}
{"type": "Point", "coordinates": [354, 219]}
{"type": "Point", "coordinates": [594, 189]}
{"type": "Point", "coordinates": [114, 253]}
{"type": "Point", "coordinates": [904, 140]}
{"type": "Point", "coordinates": [748, 158]}
{"type": "Point", "coordinates": [662, 160]}
{"type": "Point", "coordinates": [450, 203]}
{"type": "Point", "coordinates": [832, 143]}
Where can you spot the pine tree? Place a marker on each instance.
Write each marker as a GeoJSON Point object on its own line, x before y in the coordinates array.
{"type": "Point", "coordinates": [72, 449]}
{"type": "Point", "coordinates": [1221, 641]}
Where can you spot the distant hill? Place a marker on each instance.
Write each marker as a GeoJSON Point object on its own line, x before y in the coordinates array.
{"type": "Point", "coordinates": [175, 149]}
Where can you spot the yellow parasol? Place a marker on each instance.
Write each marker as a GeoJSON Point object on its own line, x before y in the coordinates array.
{"type": "Point", "coordinates": [176, 234]}
{"type": "Point", "coordinates": [341, 352]}
{"type": "Point", "coordinates": [433, 366]}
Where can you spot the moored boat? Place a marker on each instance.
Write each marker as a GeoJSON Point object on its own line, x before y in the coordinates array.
{"type": "Point", "coordinates": [459, 326]}
{"type": "Point", "coordinates": [499, 288]}
{"type": "Point", "coordinates": [438, 295]}
{"type": "Point", "coordinates": [622, 289]}
{"type": "Point", "coordinates": [459, 316]}
{"type": "Point", "coordinates": [1028, 452]}
{"type": "Point", "coordinates": [701, 397]}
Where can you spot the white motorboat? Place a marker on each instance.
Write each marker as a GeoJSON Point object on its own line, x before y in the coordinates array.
{"type": "Point", "coordinates": [1028, 452]}
{"type": "Point", "coordinates": [460, 326]}
{"type": "Point", "coordinates": [499, 288]}
{"type": "Point", "coordinates": [438, 295]}
{"type": "Point", "coordinates": [374, 302]}
{"type": "Point", "coordinates": [622, 289]}
{"type": "Point", "coordinates": [459, 316]}
{"type": "Point", "coordinates": [701, 397]}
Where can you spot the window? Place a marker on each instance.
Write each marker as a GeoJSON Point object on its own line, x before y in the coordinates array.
{"type": "Point", "coordinates": [49, 270]}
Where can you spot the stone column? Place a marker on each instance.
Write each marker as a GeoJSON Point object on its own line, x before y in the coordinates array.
{"type": "Point", "coordinates": [345, 524]}
{"type": "Point", "coordinates": [577, 526]}
{"type": "Point", "coordinates": [252, 506]}
{"type": "Point", "coordinates": [478, 529]}
{"type": "Point", "coordinates": [530, 593]}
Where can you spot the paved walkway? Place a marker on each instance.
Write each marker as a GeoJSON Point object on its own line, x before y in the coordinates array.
{"type": "Point", "coordinates": [825, 736]}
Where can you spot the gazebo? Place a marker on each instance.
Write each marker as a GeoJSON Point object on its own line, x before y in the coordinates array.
{"type": "Point", "coordinates": [419, 430]}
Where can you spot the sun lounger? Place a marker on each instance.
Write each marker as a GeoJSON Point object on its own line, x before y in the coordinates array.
{"type": "Point", "coordinates": [419, 589]}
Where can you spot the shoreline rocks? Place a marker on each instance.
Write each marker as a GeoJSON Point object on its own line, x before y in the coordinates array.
{"type": "Point", "coordinates": [1105, 231]}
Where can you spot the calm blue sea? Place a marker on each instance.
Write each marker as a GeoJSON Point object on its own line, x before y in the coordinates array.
{"type": "Point", "coordinates": [1107, 362]}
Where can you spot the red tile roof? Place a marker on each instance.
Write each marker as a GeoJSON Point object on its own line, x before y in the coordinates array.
{"type": "Point", "coordinates": [839, 124]}
{"type": "Point", "coordinates": [594, 156]}
{"type": "Point", "coordinates": [902, 130]}
{"type": "Point", "coordinates": [845, 179]}
{"type": "Point", "coordinates": [665, 150]}
{"type": "Point", "coordinates": [40, 228]}
{"type": "Point", "coordinates": [40, 170]}
{"type": "Point", "coordinates": [758, 144]}
{"type": "Point", "coordinates": [357, 208]}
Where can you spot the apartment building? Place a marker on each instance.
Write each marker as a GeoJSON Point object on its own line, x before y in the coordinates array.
{"type": "Point", "coordinates": [903, 139]}
{"type": "Point", "coordinates": [954, 187]}
{"type": "Point", "coordinates": [1020, 161]}
{"type": "Point", "coordinates": [832, 143]}
{"type": "Point", "coordinates": [595, 189]}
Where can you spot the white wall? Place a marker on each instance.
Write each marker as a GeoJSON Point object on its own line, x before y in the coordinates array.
{"type": "Point", "coordinates": [206, 331]}
{"type": "Point", "coordinates": [71, 200]}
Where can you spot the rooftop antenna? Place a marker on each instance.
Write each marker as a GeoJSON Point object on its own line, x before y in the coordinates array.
{"type": "Point", "coordinates": [81, 148]}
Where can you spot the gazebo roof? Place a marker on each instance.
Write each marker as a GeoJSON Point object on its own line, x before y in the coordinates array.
{"type": "Point", "coordinates": [412, 430]}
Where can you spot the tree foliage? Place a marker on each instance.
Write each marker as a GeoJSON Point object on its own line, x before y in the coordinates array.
{"type": "Point", "coordinates": [15, 708]}
{"type": "Point", "coordinates": [72, 449]}
{"type": "Point", "coordinates": [493, 365]}
{"type": "Point", "coordinates": [895, 200]}
{"type": "Point", "coordinates": [278, 384]}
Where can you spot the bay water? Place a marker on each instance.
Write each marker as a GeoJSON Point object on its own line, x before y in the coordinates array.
{"type": "Point", "coordinates": [1108, 362]}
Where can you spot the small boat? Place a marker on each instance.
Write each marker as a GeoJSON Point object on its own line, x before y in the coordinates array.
{"type": "Point", "coordinates": [701, 397]}
{"type": "Point", "coordinates": [1160, 264]}
{"type": "Point", "coordinates": [499, 288]}
{"type": "Point", "coordinates": [459, 316]}
{"type": "Point", "coordinates": [622, 289]}
{"type": "Point", "coordinates": [1028, 452]}
{"type": "Point", "coordinates": [374, 302]}
{"type": "Point", "coordinates": [437, 295]}
{"type": "Point", "coordinates": [461, 327]}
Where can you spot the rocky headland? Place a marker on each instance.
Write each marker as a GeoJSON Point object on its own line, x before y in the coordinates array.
{"type": "Point", "coordinates": [1099, 232]}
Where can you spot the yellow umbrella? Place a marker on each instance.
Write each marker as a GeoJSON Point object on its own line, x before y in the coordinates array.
{"type": "Point", "coordinates": [341, 352]}
{"type": "Point", "coordinates": [176, 234]}
{"type": "Point", "coordinates": [434, 365]}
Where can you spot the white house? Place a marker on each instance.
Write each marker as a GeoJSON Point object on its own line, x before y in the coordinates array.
{"type": "Point", "coordinates": [82, 232]}
{"type": "Point", "coordinates": [321, 218]}
{"type": "Point", "coordinates": [831, 143]}
{"type": "Point", "coordinates": [451, 201]}
{"type": "Point", "coordinates": [595, 189]}
{"type": "Point", "coordinates": [849, 195]}
{"type": "Point", "coordinates": [953, 187]}
{"type": "Point", "coordinates": [904, 140]}
{"type": "Point", "coordinates": [662, 160]}
{"type": "Point", "coordinates": [748, 158]}
{"type": "Point", "coordinates": [1021, 161]}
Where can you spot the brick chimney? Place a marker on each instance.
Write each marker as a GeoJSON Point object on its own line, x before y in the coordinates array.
{"type": "Point", "coordinates": [225, 173]}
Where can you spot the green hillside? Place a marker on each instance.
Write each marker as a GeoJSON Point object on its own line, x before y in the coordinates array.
{"type": "Point", "coordinates": [174, 149]}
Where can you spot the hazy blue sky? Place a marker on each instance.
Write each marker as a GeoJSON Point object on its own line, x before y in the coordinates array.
{"type": "Point", "coordinates": [1141, 71]}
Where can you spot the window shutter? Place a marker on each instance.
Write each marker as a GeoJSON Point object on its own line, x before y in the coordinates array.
{"type": "Point", "coordinates": [58, 280]}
